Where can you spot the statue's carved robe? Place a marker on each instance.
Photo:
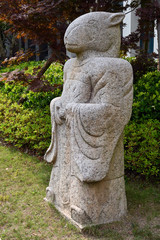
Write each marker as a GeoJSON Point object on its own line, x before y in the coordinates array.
{"type": "Point", "coordinates": [97, 101]}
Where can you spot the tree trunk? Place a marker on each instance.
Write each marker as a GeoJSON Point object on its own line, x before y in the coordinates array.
{"type": "Point", "coordinates": [46, 66]}
{"type": "Point", "coordinates": [2, 49]}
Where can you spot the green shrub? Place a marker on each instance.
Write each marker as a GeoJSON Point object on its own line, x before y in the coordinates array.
{"type": "Point", "coordinates": [142, 64]}
{"type": "Point", "coordinates": [142, 155]}
{"type": "Point", "coordinates": [36, 100]}
{"type": "Point", "coordinates": [30, 65]}
{"type": "Point", "coordinates": [25, 127]}
{"type": "Point", "coordinates": [15, 91]}
{"type": "Point", "coordinates": [146, 103]}
{"type": "Point", "coordinates": [12, 90]}
{"type": "Point", "coordinates": [54, 73]}
{"type": "Point", "coordinates": [28, 125]}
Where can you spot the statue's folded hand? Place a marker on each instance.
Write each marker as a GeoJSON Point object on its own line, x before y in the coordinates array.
{"type": "Point", "coordinates": [71, 108]}
{"type": "Point", "coordinates": [59, 113]}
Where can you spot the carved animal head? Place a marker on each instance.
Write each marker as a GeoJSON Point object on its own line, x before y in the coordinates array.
{"type": "Point", "coordinates": [95, 31]}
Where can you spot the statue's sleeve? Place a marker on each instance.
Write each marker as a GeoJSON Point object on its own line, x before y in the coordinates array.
{"type": "Point", "coordinates": [51, 153]}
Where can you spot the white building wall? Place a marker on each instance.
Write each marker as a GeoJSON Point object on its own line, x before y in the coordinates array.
{"type": "Point", "coordinates": [131, 21]}
{"type": "Point", "coordinates": [155, 40]}
{"type": "Point", "coordinates": [131, 24]}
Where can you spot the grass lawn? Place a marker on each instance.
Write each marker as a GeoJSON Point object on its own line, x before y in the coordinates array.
{"type": "Point", "coordinates": [25, 215]}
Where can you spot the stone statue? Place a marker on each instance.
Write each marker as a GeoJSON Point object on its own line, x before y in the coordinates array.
{"type": "Point", "coordinates": [87, 179]}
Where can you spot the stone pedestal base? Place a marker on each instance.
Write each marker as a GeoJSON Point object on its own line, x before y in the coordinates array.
{"type": "Point", "coordinates": [93, 203]}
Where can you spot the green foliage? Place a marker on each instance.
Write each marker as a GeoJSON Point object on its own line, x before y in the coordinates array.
{"type": "Point", "coordinates": [29, 65]}
{"type": "Point", "coordinates": [142, 155]}
{"type": "Point", "coordinates": [28, 125]}
{"type": "Point", "coordinates": [36, 100]}
{"type": "Point", "coordinates": [25, 127]}
{"type": "Point", "coordinates": [54, 75]}
{"type": "Point", "coordinates": [129, 59]}
{"type": "Point", "coordinates": [142, 64]}
{"type": "Point", "coordinates": [13, 92]}
{"type": "Point", "coordinates": [146, 103]}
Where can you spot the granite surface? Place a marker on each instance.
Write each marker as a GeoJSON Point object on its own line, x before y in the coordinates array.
{"type": "Point", "coordinates": [88, 120]}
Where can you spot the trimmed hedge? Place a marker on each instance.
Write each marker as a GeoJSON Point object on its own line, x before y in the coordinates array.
{"type": "Point", "coordinates": [25, 127]}
{"type": "Point", "coordinates": [141, 143]}
{"type": "Point", "coordinates": [34, 100]}
{"type": "Point", "coordinates": [146, 104]}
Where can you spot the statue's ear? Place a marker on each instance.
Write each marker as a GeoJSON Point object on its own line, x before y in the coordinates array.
{"type": "Point", "coordinates": [116, 18]}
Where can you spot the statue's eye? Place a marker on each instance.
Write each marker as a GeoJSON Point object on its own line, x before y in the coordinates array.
{"type": "Point", "coordinates": [92, 22]}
